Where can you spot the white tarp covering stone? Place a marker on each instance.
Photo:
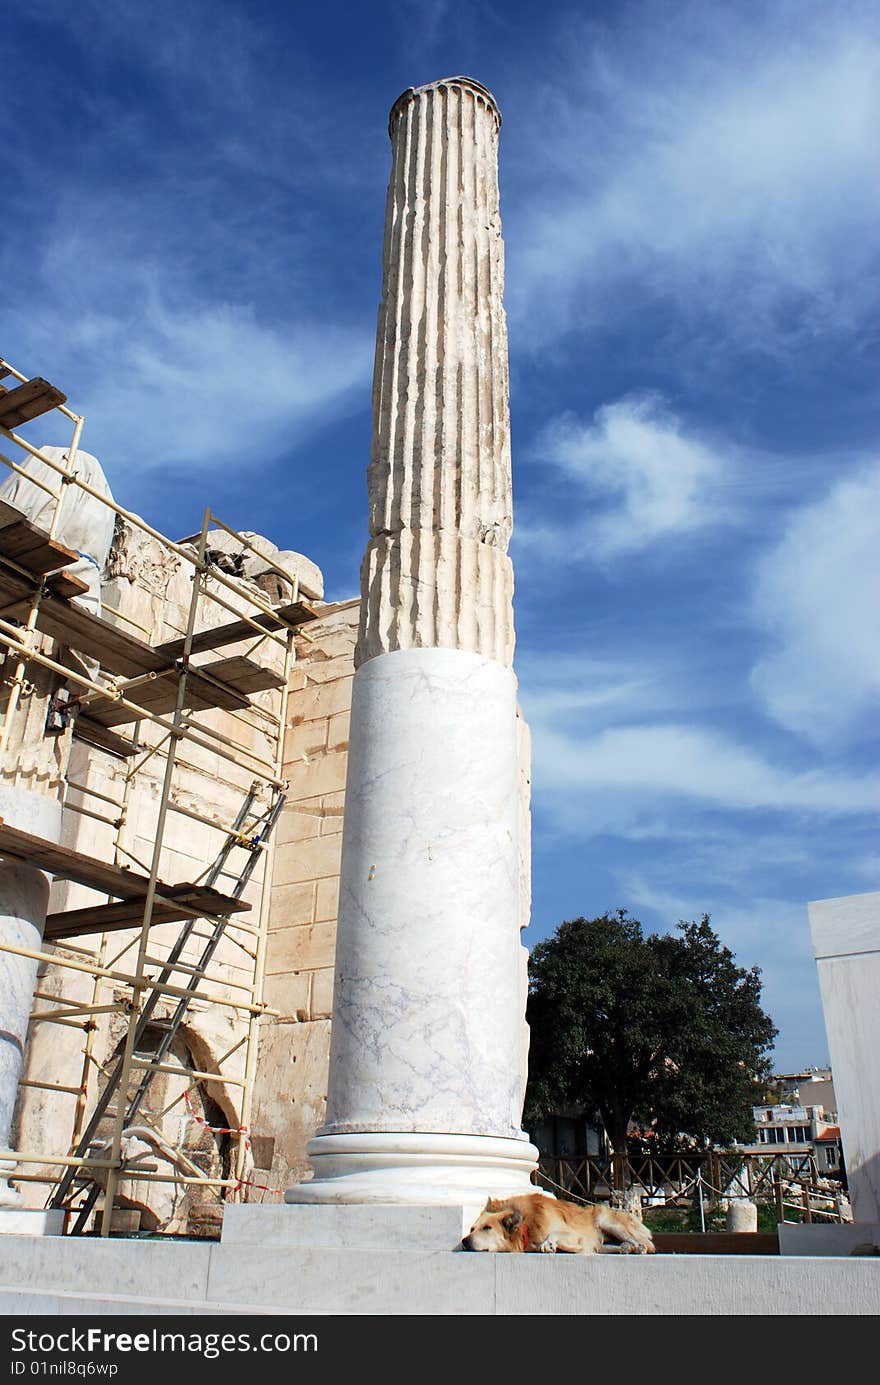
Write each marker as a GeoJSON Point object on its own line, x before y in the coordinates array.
{"type": "Point", "coordinates": [86, 525]}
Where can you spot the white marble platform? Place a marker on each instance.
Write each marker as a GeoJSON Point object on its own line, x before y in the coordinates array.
{"type": "Point", "coordinates": [75, 1275]}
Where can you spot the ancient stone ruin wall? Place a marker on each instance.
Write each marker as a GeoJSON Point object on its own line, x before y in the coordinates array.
{"type": "Point", "coordinates": [152, 588]}
{"type": "Point", "coordinates": [291, 1086]}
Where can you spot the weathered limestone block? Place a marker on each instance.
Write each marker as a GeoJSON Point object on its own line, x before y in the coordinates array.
{"type": "Point", "coordinates": [291, 1096]}
{"type": "Point", "coordinates": [311, 859]}
{"type": "Point", "coordinates": [742, 1215]}
{"type": "Point", "coordinates": [321, 1004]}
{"type": "Point", "coordinates": [312, 778]}
{"type": "Point", "coordinates": [304, 947]}
{"type": "Point", "coordinates": [292, 904]}
{"type": "Point", "coordinates": [317, 700]}
{"type": "Point", "coordinates": [289, 993]}
{"type": "Point", "coordinates": [245, 563]}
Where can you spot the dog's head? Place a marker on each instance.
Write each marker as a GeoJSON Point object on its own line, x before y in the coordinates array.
{"type": "Point", "coordinates": [496, 1228]}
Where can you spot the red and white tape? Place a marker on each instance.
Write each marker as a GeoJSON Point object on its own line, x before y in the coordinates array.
{"type": "Point", "coordinates": [230, 1130]}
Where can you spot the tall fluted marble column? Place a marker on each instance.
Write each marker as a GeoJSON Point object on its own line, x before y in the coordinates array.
{"type": "Point", "coordinates": [425, 1095]}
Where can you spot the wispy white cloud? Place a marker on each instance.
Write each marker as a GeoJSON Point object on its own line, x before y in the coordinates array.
{"type": "Point", "coordinates": [711, 158]}
{"type": "Point", "coordinates": [561, 684]}
{"type": "Point", "coordinates": [679, 761]}
{"type": "Point", "coordinates": [169, 243]}
{"type": "Point", "coordinates": [817, 594]}
{"type": "Point", "coordinates": [168, 380]}
{"type": "Point", "coordinates": [640, 478]}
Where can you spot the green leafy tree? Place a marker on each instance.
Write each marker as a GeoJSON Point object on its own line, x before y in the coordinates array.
{"type": "Point", "coordinates": [663, 1030]}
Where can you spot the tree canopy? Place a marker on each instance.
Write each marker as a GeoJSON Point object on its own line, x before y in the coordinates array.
{"type": "Point", "coordinates": [664, 1030]}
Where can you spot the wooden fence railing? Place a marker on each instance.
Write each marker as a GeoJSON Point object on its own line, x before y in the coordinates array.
{"type": "Point", "coordinates": [679, 1179]}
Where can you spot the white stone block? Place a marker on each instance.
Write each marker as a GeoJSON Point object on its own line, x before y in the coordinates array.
{"type": "Point", "coordinates": [355, 1227]}
{"type": "Point", "coordinates": [831, 1239]}
{"type": "Point", "coordinates": [846, 942]}
{"type": "Point", "coordinates": [31, 1221]}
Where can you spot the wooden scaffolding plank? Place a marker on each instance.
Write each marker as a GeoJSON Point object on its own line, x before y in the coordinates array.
{"type": "Point", "coordinates": [295, 613]}
{"type": "Point", "coordinates": [159, 695]}
{"type": "Point", "coordinates": [116, 651]}
{"type": "Point", "coordinates": [244, 675]}
{"type": "Point", "coordinates": [84, 729]}
{"type": "Point", "coordinates": [16, 594]}
{"type": "Point", "coordinates": [125, 655]}
{"type": "Point", "coordinates": [66, 585]}
{"type": "Point", "coordinates": [110, 879]}
{"type": "Point", "coordinates": [28, 401]}
{"type": "Point", "coordinates": [111, 918]}
{"type": "Point", "coordinates": [31, 547]}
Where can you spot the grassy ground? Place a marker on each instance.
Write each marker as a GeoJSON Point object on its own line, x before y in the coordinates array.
{"type": "Point", "coordinates": [688, 1218]}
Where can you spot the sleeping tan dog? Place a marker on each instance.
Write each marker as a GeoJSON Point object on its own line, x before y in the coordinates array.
{"type": "Point", "coordinates": [536, 1222]}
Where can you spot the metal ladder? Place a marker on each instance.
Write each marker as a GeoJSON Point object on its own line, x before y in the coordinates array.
{"type": "Point", "coordinates": [253, 843]}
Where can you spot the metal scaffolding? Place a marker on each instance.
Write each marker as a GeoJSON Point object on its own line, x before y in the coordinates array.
{"type": "Point", "coordinates": [164, 694]}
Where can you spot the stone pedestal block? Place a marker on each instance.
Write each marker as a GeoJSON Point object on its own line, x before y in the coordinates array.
{"type": "Point", "coordinates": [846, 943]}
{"type": "Point", "coordinates": [348, 1227]}
{"type": "Point", "coordinates": [31, 1221]}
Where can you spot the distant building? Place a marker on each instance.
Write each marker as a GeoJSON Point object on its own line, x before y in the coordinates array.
{"type": "Point", "coordinates": [803, 1121]}
{"type": "Point", "coordinates": [813, 1087]}
{"type": "Point", "coordinates": [829, 1152]}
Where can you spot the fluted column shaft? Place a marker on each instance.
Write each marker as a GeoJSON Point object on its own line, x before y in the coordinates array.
{"type": "Point", "coordinates": [436, 571]}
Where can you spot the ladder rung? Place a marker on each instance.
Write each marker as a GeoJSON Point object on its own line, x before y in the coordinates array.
{"type": "Point", "coordinates": [151, 1062]}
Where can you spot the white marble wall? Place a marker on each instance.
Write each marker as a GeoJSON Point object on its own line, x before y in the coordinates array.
{"type": "Point", "coordinates": [846, 943]}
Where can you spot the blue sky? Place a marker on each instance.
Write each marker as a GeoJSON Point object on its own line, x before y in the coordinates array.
{"type": "Point", "coordinates": [193, 208]}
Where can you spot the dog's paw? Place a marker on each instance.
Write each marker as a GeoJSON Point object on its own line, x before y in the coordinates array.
{"type": "Point", "coordinates": [547, 1247]}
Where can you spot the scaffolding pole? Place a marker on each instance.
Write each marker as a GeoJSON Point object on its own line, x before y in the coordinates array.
{"type": "Point", "coordinates": [25, 643]}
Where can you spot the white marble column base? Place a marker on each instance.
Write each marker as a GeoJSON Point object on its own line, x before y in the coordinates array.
{"type": "Point", "coordinates": [416, 1168]}
{"type": "Point", "coordinates": [428, 1004]}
